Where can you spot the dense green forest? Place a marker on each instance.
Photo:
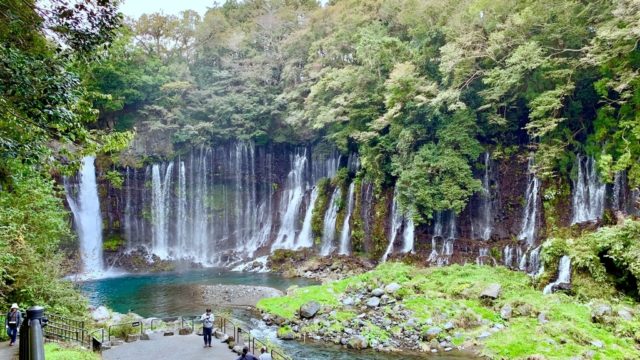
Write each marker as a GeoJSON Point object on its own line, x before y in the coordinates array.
{"type": "Point", "coordinates": [45, 118]}
{"type": "Point", "coordinates": [419, 88]}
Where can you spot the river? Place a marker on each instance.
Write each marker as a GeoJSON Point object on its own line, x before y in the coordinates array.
{"type": "Point", "coordinates": [169, 294]}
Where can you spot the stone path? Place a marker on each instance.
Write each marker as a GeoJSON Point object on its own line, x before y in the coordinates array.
{"type": "Point", "coordinates": [8, 352]}
{"type": "Point", "coordinates": [177, 347]}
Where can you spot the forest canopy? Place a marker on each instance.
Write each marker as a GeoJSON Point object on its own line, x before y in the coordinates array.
{"type": "Point", "coordinates": [418, 87]}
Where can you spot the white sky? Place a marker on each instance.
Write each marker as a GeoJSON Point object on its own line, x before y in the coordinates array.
{"type": "Point", "coordinates": [135, 8]}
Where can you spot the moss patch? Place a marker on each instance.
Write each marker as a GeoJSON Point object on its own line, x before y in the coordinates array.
{"type": "Point", "coordinates": [436, 296]}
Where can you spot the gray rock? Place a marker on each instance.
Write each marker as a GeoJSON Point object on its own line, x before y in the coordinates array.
{"type": "Point", "coordinates": [392, 288]}
{"type": "Point", "coordinates": [237, 349]}
{"type": "Point", "coordinates": [348, 301]}
{"type": "Point", "coordinates": [373, 302]}
{"type": "Point", "coordinates": [506, 312]}
{"type": "Point", "coordinates": [625, 314]}
{"type": "Point", "coordinates": [448, 325]}
{"type": "Point", "coordinates": [597, 343]}
{"type": "Point", "coordinates": [100, 313]}
{"type": "Point", "coordinates": [484, 335]}
{"type": "Point", "coordinates": [542, 318]}
{"type": "Point", "coordinates": [600, 312]}
{"type": "Point", "coordinates": [286, 335]}
{"type": "Point", "coordinates": [309, 309]}
{"type": "Point", "coordinates": [498, 326]}
{"type": "Point", "coordinates": [432, 333]}
{"type": "Point", "coordinates": [132, 338]}
{"type": "Point", "coordinates": [377, 292]}
{"type": "Point", "coordinates": [492, 291]}
{"type": "Point", "coordinates": [145, 336]}
{"type": "Point", "coordinates": [357, 342]}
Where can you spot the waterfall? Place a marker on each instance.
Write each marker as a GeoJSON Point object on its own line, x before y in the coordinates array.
{"type": "Point", "coordinates": [86, 215]}
{"type": "Point", "coordinates": [564, 275]}
{"type": "Point", "coordinates": [408, 235]}
{"type": "Point", "coordinates": [160, 209]}
{"type": "Point", "coordinates": [483, 254]}
{"type": "Point", "coordinates": [396, 223]}
{"type": "Point", "coordinates": [588, 192]}
{"type": "Point", "coordinates": [306, 236]}
{"type": "Point", "coordinates": [530, 216]}
{"type": "Point", "coordinates": [353, 162]}
{"type": "Point", "coordinates": [446, 235]}
{"type": "Point", "coordinates": [181, 226]}
{"type": "Point", "coordinates": [483, 227]}
{"type": "Point", "coordinates": [507, 256]}
{"type": "Point", "coordinates": [329, 229]}
{"type": "Point", "coordinates": [290, 203]}
{"type": "Point", "coordinates": [345, 235]}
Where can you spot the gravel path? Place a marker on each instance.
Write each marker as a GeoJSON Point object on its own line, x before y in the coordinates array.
{"type": "Point", "coordinates": [177, 347]}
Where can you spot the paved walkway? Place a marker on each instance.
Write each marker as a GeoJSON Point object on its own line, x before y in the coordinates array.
{"type": "Point", "coordinates": [8, 352]}
{"type": "Point", "coordinates": [177, 347]}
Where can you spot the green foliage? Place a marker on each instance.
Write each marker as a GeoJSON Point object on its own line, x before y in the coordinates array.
{"type": "Point", "coordinates": [322, 203]}
{"type": "Point", "coordinates": [55, 351]}
{"type": "Point", "coordinates": [32, 222]}
{"type": "Point", "coordinates": [113, 243]}
{"type": "Point", "coordinates": [452, 294]}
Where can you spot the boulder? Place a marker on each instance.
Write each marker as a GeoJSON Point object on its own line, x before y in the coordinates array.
{"type": "Point", "coordinates": [431, 333]}
{"type": "Point", "coordinates": [392, 288]}
{"type": "Point", "coordinates": [448, 326]}
{"type": "Point", "coordinates": [373, 301]}
{"type": "Point", "coordinates": [168, 333]}
{"type": "Point", "coordinates": [625, 314]}
{"type": "Point", "coordinates": [524, 310]}
{"type": "Point", "coordinates": [100, 313]}
{"type": "Point", "coordinates": [599, 312]}
{"type": "Point", "coordinates": [348, 301]}
{"type": "Point", "coordinates": [237, 349]}
{"type": "Point", "coordinates": [132, 338]}
{"type": "Point", "coordinates": [285, 333]}
{"type": "Point", "coordinates": [506, 312]}
{"type": "Point", "coordinates": [145, 336]}
{"type": "Point", "coordinates": [357, 342]}
{"type": "Point", "coordinates": [377, 292]}
{"type": "Point", "coordinates": [309, 309]}
{"type": "Point", "coordinates": [492, 291]}
{"type": "Point", "coordinates": [542, 318]}
{"type": "Point", "coordinates": [185, 331]}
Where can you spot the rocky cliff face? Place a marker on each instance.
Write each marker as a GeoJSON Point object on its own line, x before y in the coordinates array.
{"type": "Point", "coordinates": [219, 206]}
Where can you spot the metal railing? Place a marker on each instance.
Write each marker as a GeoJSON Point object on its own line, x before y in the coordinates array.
{"type": "Point", "coordinates": [65, 329]}
{"type": "Point", "coordinates": [241, 334]}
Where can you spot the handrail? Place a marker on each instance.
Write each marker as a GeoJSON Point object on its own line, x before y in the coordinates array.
{"type": "Point", "coordinates": [229, 327]}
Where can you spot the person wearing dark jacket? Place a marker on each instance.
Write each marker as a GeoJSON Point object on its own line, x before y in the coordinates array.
{"type": "Point", "coordinates": [12, 323]}
{"type": "Point", "coordinates": [246, 355]}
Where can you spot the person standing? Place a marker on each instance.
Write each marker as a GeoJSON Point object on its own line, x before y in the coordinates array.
{"type": "Point", "coordinates": [264, 355]}
{"type": "Point", "coordinates": [12, 323]}
{"type": "Point", "coordinates": [207, 327]}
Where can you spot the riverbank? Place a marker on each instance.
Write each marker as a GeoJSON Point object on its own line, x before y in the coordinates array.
{"type": "Point", "coordinates": [492, 311]}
